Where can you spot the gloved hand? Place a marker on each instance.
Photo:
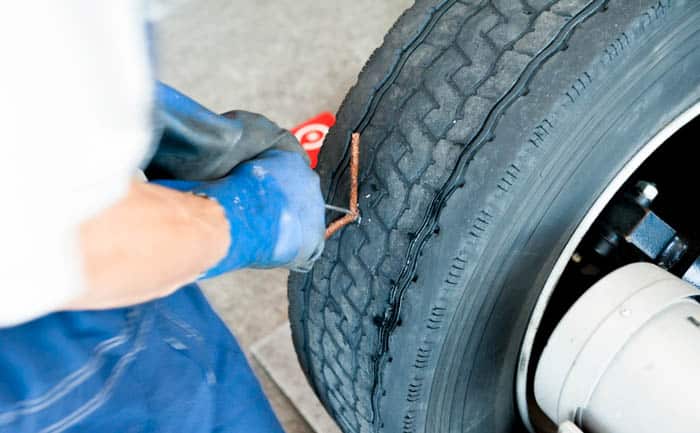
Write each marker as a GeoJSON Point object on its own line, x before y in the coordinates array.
{"type": "Point", "coordinates": [275, 211]}
{"type": "Point", "coordinates": [197, 144]}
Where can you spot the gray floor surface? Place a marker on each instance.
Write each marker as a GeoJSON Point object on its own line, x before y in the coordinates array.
{"type": "Point", "coordinates": [288, 59]}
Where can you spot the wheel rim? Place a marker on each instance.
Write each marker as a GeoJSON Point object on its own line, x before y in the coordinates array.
{"type": "Point", "coordinates": [587, 222]}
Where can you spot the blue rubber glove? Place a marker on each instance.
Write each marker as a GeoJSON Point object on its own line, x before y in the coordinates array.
{"type": "Point", "coordinates": [275, 211]}
{"type": "Point", "coordinates": [197, 144]}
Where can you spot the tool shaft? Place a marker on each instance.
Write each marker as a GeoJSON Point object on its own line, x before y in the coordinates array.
{"type": "Point", "coordinates": [338, 209]}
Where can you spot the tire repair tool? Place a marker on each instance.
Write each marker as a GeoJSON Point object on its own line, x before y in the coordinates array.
{"type": "Point", "coordinates": [311, 135]}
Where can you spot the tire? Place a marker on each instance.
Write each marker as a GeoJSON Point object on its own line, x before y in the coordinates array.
{"type": "Point", "coordinates": [488, 129]}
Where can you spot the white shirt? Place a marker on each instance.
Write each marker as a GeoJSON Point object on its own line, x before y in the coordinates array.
{"type": "Point", "coordinates": [75, 113]}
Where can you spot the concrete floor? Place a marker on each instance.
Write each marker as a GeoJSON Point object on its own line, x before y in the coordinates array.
{"type": "Point", "coordinates": [288, 59]}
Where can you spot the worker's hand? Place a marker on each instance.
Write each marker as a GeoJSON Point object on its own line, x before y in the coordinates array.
{"type": "Point", "coordinates": [275, 211]}
{"type": "Point", "coordinates": [197, 144]}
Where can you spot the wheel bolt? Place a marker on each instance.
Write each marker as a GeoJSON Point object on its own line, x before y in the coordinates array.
{"type": "Point", "coordinates": [647, 193]}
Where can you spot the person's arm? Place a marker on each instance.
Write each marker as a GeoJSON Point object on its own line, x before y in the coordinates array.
{"type": "Point", "coordinates": [148, 244]}
{"type": "Point", "coordinates": [65, 173]}
{"type": "Point", "coordinates": [268, 212]}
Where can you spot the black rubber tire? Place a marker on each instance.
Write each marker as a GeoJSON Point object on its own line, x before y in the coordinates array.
{"type": "Point", "coordinates": [488, 130]}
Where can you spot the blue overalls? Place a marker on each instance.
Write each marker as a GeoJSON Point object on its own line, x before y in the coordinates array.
{"type": "Point", "coordinates": [169, 365]}
{"type": "Point", "coordinates": [165, 366]}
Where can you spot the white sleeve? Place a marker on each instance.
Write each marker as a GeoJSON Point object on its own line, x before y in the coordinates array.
{"type": "Point", "coordinates": [75, 104]}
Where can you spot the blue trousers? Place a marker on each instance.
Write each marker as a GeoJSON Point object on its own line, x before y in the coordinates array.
{"type": "Point", "coordinates": [165, 366]}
